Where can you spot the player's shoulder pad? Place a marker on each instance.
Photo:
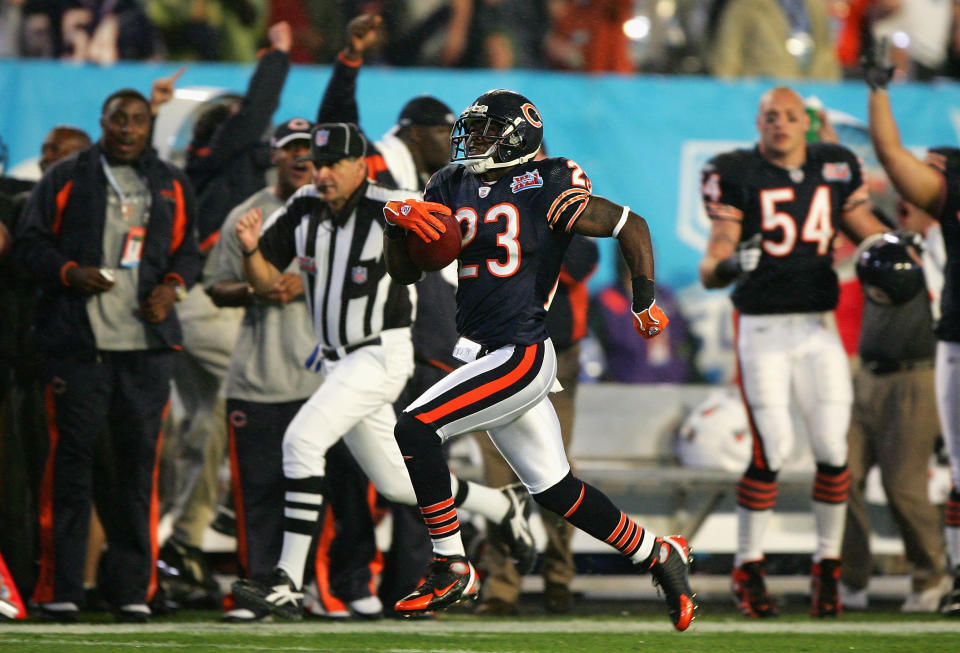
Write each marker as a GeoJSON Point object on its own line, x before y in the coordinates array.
{"type": "Point", "coordinates": [830, 151]}
{"type": "Point", "coordinates": [451, 171]}
{"type": "Point", "coordinates": [733, 163]}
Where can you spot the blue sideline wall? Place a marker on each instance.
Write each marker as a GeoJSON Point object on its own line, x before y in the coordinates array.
{"type": "Point", "coordinates": [641, 139]}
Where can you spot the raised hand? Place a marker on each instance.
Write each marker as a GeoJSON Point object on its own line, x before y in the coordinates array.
{"type": "Point", "coordinates": [248, 230]}
{"type": "Point", "coordinates": [877, 68]}
{"type": "Point", "coordinates": [363, 32]}
{"type": "Point", "coordinates": [162, 89]}
{"type": "Point", "coordinates": [281, 36]}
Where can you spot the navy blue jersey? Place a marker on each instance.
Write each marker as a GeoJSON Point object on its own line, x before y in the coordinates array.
{"type": "Point", "coordinates": [797, 211]}
{"type": "Point", "coordinates": [948, 328]}
{"type": "Point", "coordinates": [515, 233]}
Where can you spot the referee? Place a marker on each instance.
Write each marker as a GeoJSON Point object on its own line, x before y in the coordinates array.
{"type": "Point", "coordinates": [361, 318]}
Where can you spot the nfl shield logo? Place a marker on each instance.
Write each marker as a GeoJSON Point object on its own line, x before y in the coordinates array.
{"type": "Point", "coordinates": [321, 137]}
{"type": "Point", "coordinates": [484, 191]}
{"type": "Point", "coordinates": [358, 274]}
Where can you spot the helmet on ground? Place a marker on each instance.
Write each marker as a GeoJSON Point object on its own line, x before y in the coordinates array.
{"type": "Point", "coordinates": [500, 129]}
{"type": "Point", "coordinates": [890, 271]}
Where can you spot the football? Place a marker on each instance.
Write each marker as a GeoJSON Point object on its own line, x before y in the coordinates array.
{"type": "Point", "coordinates": [437, 254]}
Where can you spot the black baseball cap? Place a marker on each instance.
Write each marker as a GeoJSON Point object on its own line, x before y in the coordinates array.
{"type": "Point", "coordinates": [293, 129]}
{"type": "Point", "coordinates": [332, 141]}
{"type": "Point", "coordinates": [426, 111]}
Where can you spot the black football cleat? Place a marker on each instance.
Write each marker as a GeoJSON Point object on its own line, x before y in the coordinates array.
{"type": "Point", "coordinates": [750, 591]}
{"type": "Point", "coordinates": [671, 573]}
{"type": "Point", "coordinates": [825, 588]}
{"type": "Point", "coordinates": [276, 594]}
{"type": "Point", "coordinates": [449, 579]}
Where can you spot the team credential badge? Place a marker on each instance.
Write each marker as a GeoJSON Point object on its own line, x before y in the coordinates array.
{"type": "Point", "coordinates": [836, 171]}
{"type": "Point", "coordinates": [527, 180]}
{"type": "Point", "coordinates": [358, 274]}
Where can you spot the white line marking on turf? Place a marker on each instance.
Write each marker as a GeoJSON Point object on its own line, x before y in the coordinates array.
{"type": "Point", "coordinates": [460, 627]}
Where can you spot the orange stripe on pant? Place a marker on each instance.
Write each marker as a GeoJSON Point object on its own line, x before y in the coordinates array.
{"type": "Point", "coordinates": [155, 509]}
{"type": "Point", "coordinates": [43, 591]}
{"type": "Point", "coordinates": [484, 391]}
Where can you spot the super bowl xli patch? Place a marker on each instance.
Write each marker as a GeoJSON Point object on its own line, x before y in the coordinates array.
{"type": "Point", "coordinates": [527, 180]}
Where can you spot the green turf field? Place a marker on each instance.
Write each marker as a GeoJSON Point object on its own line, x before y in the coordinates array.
{"type": "Point", "coordinates": [468, 634]}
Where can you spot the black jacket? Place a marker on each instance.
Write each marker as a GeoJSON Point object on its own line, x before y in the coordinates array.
{"type": "Point", "coordinates": [232, 166]}
{"type": "Point", "coordinates": [63, 225]}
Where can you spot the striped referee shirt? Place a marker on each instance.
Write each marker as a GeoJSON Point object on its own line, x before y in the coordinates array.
{"type": "Point", "coordinates": [340, 254]}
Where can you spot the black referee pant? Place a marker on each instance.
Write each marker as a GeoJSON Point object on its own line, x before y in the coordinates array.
{"type": "Point", "coordinates": [125, 394]}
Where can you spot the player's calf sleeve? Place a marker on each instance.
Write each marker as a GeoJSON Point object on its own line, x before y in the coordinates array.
{"type": "Point", "coordinates": [831, 483]}
{"type": "Point", "coordinates": [422, 451]}
{"type": "Point", "coordinates": [757, 489]}
{"type": "Point", "coordinates": [591, 511]}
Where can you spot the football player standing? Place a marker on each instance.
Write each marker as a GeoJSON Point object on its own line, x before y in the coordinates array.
{"type": "Point", "coordinates": [935, 188]}
{"type": "Point", "coordinates": [517, 216]}
{"type": "Point", "coordinates": [774, 212]}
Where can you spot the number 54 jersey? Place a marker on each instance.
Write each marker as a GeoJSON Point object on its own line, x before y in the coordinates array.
{"type": "Point", "coordinates": [797, 212]}
{"type": "Point", "coordinates": [515, 232]}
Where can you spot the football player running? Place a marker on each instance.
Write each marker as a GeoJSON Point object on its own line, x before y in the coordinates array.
{"type": "Point", "coordinates": [517, 216]}
{"type": "Point", "coordinates": [933, 186]}
{"type": "Point", "coordinates": [774, 212]}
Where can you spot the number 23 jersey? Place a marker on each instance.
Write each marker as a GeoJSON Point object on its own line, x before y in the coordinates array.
{"type": "Point", "coordinates": [797, 212]}
{"type": "Point", "coordinates": [515, 232]}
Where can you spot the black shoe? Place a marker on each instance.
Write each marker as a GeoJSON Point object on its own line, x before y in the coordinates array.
{"type": "Point", "coordinates": [449, 579]}
{"type": "Point", "coordinates": [557, 598]}
{"type": "Point", "coordinates": [185, 576]}
{"type": "Point", "coordinates": [750, 591]}
{"type": "Point", "coordinates": [671, 573]}
{"type": "Point", "coordinates": [61, 613]}
{"type": "Point", "coordinates": [276, 593]}
{"type": "Point", "coordinates": [515, 528]}
{"type": "Point", "coordinates": [825, 588]}
{"type": "Point", "coordinates": [950, 604]}
{"type": "Point", "coordinates": [225, 521]}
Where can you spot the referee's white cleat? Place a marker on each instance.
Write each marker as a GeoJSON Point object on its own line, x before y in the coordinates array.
{"type": "Point", "coordinates": [276, 593]}
{"type": "Point", "coordinates": [515, 528]}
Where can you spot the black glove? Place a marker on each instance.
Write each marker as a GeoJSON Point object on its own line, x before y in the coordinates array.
{"type": "Point", "coordinates": [875, 61]}
{"type": "Point", "coordinates": [911, 239]}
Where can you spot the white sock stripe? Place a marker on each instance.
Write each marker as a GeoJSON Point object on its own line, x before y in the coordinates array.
{"type": "Point", "coordinates": [304, 515]}
{"type": "Point", "coordinates": [621, 222]}
{"type": "Point", "coordinates": [303, 497]}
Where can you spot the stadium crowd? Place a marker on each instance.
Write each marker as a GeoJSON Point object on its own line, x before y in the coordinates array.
{"type": "Point", "coordinates": [124, 276]}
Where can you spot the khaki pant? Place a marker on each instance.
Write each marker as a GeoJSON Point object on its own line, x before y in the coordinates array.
{"type": "Point", "coordinates": [502, 581]}
{"type": "Point", "coordinates": [894, 425]}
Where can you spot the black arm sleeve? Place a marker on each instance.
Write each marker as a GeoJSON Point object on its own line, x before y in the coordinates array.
{"type": "Point", "coordinates": [247, 126]}
{"type": "Point", "coordinates": [339, 102]}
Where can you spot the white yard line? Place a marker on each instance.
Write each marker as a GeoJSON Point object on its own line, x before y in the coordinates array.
{"type": "Point", "coordinates": [458, 627]}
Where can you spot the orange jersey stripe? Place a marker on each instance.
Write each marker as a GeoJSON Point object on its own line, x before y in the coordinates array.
{"type": "Point", "coordinates": [62, 196]}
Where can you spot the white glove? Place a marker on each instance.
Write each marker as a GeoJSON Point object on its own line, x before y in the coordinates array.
{"type": "Point", "coordinates": [747, 255]}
